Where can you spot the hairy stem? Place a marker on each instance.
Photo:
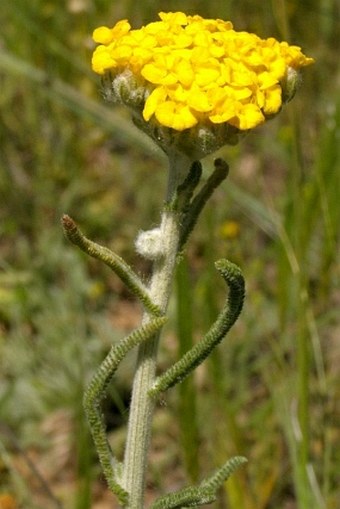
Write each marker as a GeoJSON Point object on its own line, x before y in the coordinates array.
{"type": "Point", "coordinates": [142, 406]}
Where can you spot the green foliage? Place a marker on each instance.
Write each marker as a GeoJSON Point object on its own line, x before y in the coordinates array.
{"type": "Point", "coordinates": [205, 493]}
{"type": "Point", "coordinates": [96, 391]}
{"type": "Point", "coordinates": [201, 350]}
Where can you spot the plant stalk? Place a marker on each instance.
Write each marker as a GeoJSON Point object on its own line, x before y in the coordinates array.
{"type": "Point", "coordinates": [142, 406]}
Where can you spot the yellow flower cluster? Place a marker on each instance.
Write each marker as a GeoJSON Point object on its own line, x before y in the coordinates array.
{"type": "Point", "coordinates": [199, 71]}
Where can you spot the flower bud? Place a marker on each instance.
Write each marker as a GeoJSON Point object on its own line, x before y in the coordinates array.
{"type": "Point", "coordinates": [290, 84]}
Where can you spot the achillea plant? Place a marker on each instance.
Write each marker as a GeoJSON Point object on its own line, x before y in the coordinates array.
{"type": "Point", "coordinates": [193, 85]}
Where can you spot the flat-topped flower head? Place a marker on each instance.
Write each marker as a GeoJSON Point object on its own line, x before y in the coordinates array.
{"type": "Point", "coordinates": [195, 83]}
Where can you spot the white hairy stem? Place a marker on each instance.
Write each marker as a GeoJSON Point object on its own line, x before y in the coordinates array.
{"type": "Point", "coordinates": [142, 405]}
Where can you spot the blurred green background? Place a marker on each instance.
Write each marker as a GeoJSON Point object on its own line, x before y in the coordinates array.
{"type": "Point", "coordinates": [270, 391]}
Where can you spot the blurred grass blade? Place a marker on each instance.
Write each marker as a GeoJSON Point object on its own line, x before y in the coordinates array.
{"type": "Point", "coordinates": [74, 100]}
{"type": "Point", "coordinates": [27, 19]}
{"type": "Point", "coordinates": [253, 209]}
{"type": "Point", "coordinates": [187, 399]}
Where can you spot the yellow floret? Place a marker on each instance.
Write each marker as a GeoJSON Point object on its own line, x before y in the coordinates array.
{"type": "Point", "coordinates": [174, 115]}
{"type": "Point", "coordinates": [174, 18]}
{"type": "Point", "coordinates": [102, 60]}
{"type": "Point", "coordinates": [102, 35]}
{"type": "Point", "coordinates": [199, 71]}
